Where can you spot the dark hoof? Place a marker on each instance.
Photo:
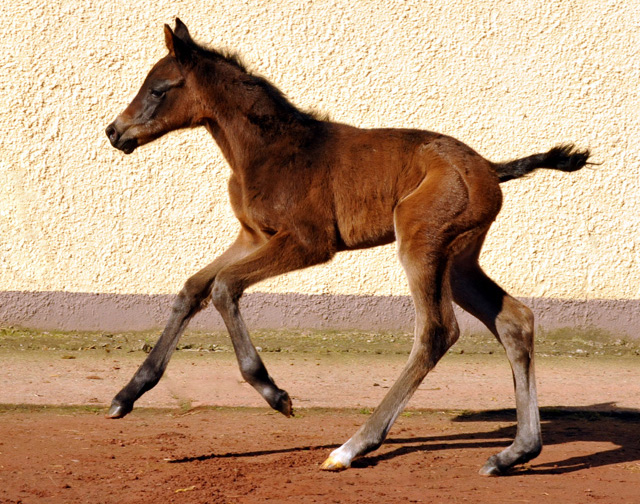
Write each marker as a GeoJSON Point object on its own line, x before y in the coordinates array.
{"type": "Point", "coordinates": [284, 405]}
{"type": "Point", "coordinates": [118, 410]}
{"type": "Point", "coordinates": [490, 469]}
{"type": "Point", "coordinates": [503, 462]}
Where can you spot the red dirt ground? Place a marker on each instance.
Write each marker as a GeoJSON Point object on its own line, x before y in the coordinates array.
{"type": "Point", "coordinates": [249, 454]}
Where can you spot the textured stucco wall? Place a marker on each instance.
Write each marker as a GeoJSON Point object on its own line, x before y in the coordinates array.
{"type": "Point", "coordinates": [508, 78]}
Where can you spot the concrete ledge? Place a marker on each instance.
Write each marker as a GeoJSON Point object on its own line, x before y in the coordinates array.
{"type": "Point", "coordinates": [120, 312]}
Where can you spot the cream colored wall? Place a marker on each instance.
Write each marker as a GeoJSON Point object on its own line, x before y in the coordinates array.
{"type": "Point", "coordinates": [509, 78]}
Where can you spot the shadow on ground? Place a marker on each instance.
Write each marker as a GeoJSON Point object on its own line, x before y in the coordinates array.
{"type": "Point", "coordinates": [599, 423]}
{"type": "Point", "coordinates": [602, 423]}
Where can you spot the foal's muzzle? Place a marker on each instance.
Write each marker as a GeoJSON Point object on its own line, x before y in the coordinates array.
{"type": "Point", "coordinates": [115, 137]}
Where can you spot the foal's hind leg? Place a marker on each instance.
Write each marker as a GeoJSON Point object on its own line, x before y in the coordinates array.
{"type": "Point", "coordinates": [190, 300]}
{"type": "Point", "coordinates": [426, 229]}
{"type": "Point", "coordinates": [512, 323]}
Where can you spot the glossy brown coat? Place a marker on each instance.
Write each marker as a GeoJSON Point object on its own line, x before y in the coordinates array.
{"type": "Point", "coordinates": [304, 189]}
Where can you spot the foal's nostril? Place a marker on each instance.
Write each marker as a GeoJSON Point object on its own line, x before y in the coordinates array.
{"type": "Point", "coordinates": [112, 133]}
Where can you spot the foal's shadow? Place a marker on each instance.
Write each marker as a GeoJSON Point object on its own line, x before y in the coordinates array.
{"type": "Point", "coordinates": [597, 423]}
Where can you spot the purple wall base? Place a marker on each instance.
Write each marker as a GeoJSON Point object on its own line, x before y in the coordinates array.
{"type": "Point", "coordinates": [114, 312]}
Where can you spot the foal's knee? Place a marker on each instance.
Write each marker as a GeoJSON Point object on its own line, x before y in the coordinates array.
{"type": "Point", "coordinates": [225, 293]}
{"type": "Point", "coordinates": [193, 297]}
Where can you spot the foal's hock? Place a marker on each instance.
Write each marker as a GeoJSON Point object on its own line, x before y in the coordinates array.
{"type": "Point", "coordinates": [303, 189]}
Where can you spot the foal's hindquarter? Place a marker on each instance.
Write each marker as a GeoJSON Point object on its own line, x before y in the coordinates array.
{"type": "Point", "coordinates": [304, 189]}
{"type": "Point", "coordinates": [448, 199]}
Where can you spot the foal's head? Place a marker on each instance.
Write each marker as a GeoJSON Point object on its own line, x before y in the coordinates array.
{"type": "Point", "coordinates": [165, 101]}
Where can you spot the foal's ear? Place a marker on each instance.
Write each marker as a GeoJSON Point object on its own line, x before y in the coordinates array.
{"type": "Point", "coordinates": [181, 31]}
{"type": "Point", "coordinates": [178, 48]}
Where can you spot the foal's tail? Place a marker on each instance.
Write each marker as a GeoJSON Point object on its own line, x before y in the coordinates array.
{"type": "Point", "coordinates": [563, 157]}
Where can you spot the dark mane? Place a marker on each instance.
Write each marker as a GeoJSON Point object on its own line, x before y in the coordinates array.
{"type": "Point", "coordinates": [275, 94]}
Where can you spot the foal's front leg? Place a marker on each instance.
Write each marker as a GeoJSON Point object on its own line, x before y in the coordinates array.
{"type": "Point", "coordinates": [189, 301]}
{"type": "Point", "coordinates": [282, 253]}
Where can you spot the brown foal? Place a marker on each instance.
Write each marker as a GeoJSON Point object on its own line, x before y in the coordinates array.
{"type": "Point", "coordinates": [304, 189]}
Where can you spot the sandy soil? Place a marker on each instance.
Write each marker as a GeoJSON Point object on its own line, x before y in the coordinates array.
{"type": "Point", "coordinates": [193, 452]}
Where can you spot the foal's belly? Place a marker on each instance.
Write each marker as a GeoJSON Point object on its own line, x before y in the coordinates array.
{"type": "Point", "coordinates": [365, 224]}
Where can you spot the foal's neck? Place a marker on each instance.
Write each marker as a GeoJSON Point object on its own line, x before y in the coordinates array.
{"type": "Point", "coordinates": [248, 117]}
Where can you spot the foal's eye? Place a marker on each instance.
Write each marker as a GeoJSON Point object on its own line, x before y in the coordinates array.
{"type": "Point", "coordinates": [156, 93]}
